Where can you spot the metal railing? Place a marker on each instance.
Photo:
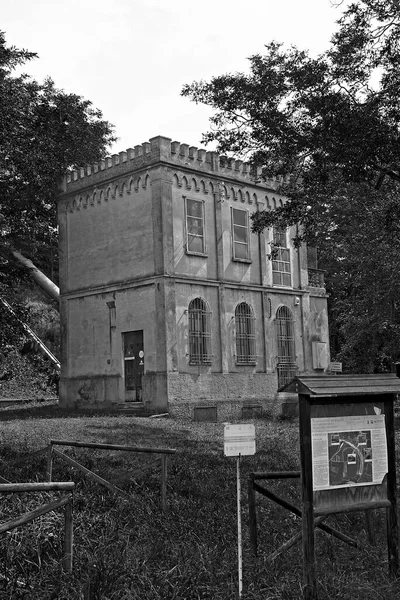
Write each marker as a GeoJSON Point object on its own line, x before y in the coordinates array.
{"type": "Point", "coordinates": [316, 278]}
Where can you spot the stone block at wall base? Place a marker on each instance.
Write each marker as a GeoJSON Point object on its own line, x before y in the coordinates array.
{"type": "Point", "coordinates": [289, 404]}
{"type": "Point", "coordinates": [155, 391]}
{"type": "Point", "coordinates": [92, 392]}
{"type": "Point", "coordinates": [222, 410]}
{"type": "Point", "coordinates": [103, 392]}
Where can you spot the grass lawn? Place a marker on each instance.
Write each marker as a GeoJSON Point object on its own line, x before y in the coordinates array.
{"type": "Point", "coordinates": [130, 550]}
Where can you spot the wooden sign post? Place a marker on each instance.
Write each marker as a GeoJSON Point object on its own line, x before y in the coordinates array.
{"type": "Point", "coordinates": [239, 440]}
{"type": "Point", "coordinates": [347, 454]}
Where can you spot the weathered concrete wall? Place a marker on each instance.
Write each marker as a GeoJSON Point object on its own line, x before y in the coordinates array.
{"type": "Point", "coordinates": [229, 385]}
{"type": "Point", "coordinates": [94, 391]}
{"type": "Point", "coordinates": [184, 294]}
{"type": "Point", "coordinates": [229, 392]}
{"type": "Point", "coordinates": [110, 241]}
{"type": "Point", "coordinates": [197, 267]}
{"type": "Point", "coordinates": [233, 297]}
{"type": "Point", "coordinates": [94, 373]}
{"type": "Point", "coordinates": [239, 270]}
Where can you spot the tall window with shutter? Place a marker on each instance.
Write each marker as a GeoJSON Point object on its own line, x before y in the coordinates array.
{"type": "Point", "coordinates": [240, 234]}
{"type": "Point", "coordinates": [195, 238]}
{"type": "Point", "coordinates": [281, 272]}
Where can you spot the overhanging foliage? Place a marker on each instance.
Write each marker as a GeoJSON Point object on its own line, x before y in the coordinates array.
{"type": "Point", "coordinates": [333, 123]}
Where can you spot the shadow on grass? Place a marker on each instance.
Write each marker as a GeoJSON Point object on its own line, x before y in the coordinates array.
{"type": "Point", "coordinates": [49, 410]}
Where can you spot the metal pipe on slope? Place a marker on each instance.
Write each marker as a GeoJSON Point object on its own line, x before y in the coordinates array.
{"type": "Point", "coordinates": [32, 334]}
{"type": "Point", "coordinates": [44, 282]}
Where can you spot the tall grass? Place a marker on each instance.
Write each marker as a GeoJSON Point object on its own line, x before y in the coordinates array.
{"type": "Point", "coordinates": [132, 551]}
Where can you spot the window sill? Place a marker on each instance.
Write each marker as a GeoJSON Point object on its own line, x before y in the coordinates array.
{"type": "Point", "coordinates": [203, 254]}
{"type": "Point", "coordinates": [200, 364]}
{"type": "Point", "coordinates": [250, 363]}
{"type": "Point", "coordinates": [242, 260]}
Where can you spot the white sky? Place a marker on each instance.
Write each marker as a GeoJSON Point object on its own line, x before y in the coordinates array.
{"type": "Point", "coordinates": [132, 57]}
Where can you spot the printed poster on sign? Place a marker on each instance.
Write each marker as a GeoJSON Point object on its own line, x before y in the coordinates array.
{"type": "Point", "coordinates": [348, 451]}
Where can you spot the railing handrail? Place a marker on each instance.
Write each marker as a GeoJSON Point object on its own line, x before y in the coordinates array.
{"type": "Point", "coordinates": [275, 475]}
{"type": "Point", "coordinates": [66, 501]}
{"type": "Point", "coordinates": [316, 270]}
{"type": "Point", "coordinates": [113, 447]}
{"type": "Point", "coordinates": [45, 486]}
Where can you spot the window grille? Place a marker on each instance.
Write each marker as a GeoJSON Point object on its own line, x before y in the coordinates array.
{"type": "Point", "coordinates": [240, 234]}
{"type": "Point", "coordinates": [287, 367]}
{"type": "Point", "coordinates": [245, 334]}
{"type": "Point", "coordinates": [195, 226]}
{"type": "Point", "coordinates": [281, 272]}
{"type": "Point", "coordinates": [199, 333]}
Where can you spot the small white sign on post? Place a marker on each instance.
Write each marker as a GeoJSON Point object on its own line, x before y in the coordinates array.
{"type": "Point", "coordinates": [239, 440]}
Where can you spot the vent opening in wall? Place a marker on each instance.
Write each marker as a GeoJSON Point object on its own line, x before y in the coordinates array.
{"type": "Point", "coordinates": [252, 412]}
{"type": "Point", "coordinates": [205, 414]}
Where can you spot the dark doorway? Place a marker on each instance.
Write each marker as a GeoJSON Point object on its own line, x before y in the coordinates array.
{"type": "Point", "coordinates": [133, 365]}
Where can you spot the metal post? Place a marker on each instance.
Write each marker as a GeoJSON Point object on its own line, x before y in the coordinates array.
{"type": "Point", "coordinates": [164, 482]}
{"type": "Point", "coordinates": [68, 537]}
{"type": "Point", "coordinates": [252, 514]}
{"type": "Point", "coordinates": [239, 526]}
{"type": "Point", "coordinates": [310, 580]}
{"type": "Point", "coordinates": [49, 461]}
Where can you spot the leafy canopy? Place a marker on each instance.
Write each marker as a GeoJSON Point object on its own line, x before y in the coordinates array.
{"type": "Point", "coordinates": [333, 123]}
{"type": "Point", "coordinates": [306, 116]}
{"type": "Point", "coordinates": [44, 132]}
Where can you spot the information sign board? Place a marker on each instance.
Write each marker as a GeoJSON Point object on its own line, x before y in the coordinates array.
{"type": "Point", "coordinates": [335, 367]}
{"type": "Point", "coordinates": [239, 440]}
{"type": "Point", "coordinates": [348, 451]}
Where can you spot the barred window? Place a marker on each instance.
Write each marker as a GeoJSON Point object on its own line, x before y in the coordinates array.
{"type": "Point", "coordinates": [285, 331]}
{"type": "Point", "coordinates": [281, 272]}
{"type": "Point", "coordinates": [240, 234]}
{"type": "Point", "coordinates": [245, 335]}
{"type": "Point", "coordinates": [195, 226]}
{"type": "Point", "coordinates": [199, 332]}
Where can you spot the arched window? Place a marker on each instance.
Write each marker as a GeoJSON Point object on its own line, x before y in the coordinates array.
{"type": "Point", "coordinates": [245, 335]}
{"type": "Point", "coordinates": [199, 332]}
{"type": "Point", "coordinates": [287, 367]}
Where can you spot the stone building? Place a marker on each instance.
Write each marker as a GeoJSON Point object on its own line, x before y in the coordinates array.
{"type": "Point", "coordinates": [168, 301]}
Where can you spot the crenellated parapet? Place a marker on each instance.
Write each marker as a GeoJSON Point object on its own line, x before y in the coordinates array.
{"type": "Point", "coordinates": [189, 184]}
{"type": "Point", "coordinates": [108, 191]}
{"type": "Point", "coordinates": [162, 150]}
{"type": "Point", "coordinates": [227, 191]}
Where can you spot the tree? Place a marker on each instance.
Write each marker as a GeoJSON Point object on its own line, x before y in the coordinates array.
{"type": "Point", "coordinates": [43, 133]}
{"type": "Point", "coordinates": [301, 115]}
{"type": "Point", "coordinates": [332, 123]}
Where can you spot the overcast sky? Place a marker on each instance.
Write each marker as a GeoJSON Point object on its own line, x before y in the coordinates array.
{"type": "Point", "coordinates": [132, 57]}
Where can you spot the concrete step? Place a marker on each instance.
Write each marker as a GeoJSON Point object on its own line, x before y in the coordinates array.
{"type": "Point", "coordinates": [136, 409]}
